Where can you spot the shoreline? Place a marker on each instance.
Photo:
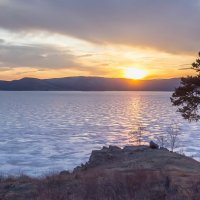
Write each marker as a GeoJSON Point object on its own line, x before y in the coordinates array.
{"type": "Point", "coordinates": [114, 173]}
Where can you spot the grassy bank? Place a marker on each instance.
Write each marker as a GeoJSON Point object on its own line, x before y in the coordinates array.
{"type": "Point", "coordinates": [132, 173]}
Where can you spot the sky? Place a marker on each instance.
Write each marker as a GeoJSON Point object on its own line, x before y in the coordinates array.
{"type": "Point", "coordinates": [61, 38]}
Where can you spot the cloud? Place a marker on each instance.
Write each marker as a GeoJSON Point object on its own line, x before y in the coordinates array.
{"type": "Point", "coordinates": [36, 56]}
{"type": "Point", "coordinates": [185, 68]}
{"type": "Point", "coordinates": [170, 25]}
{"type": "Point", "coordinates": [4, 69]}
{"type": "Point", "coordinates": [1, 41]}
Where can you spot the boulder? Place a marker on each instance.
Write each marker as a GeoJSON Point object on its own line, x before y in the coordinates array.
{"type": "Point", "coordinates": [132, 149]}
{"type": "Point", "coordinates": [164, 149]}
{"type": "Point", "coordinates": [153, 145]}
{"type": "Point", "coordinates": [64, 173]}
{"type": "Point", "coordinates": [114, 148]}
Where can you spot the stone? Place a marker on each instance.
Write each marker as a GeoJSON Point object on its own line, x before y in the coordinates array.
{"type": "Point", "coordinates": [114, 148]}
{"type": "Point", "coordinates": [163, 149]}
{"type": "Point", "coordinates": [132, 149]}
{"type": "Point", "coordinates": [153, 145]}
{"type": "Point", "coordinates": [105, 148]}
{"type": "Point", "coordinates": [64, 172]}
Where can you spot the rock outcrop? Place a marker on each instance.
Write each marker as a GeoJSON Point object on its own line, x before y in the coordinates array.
{"type": "Point", "coordinates": [140, 157]}
{"type": "Point", "coordinates": [113, 173]}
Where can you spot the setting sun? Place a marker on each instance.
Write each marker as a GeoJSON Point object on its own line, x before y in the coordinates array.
{"type": "Point", "coordinates": [135, 73]}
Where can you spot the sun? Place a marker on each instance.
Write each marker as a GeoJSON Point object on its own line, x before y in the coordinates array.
{"type": "Point", "coordinates": [135, 73]}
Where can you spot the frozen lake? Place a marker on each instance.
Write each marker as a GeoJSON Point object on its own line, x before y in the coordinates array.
{"type": "Point", "coordinates": [51, 131]}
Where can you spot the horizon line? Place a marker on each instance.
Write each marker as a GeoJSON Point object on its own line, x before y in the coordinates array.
{"type": "Point", "coordinates": [90, 77]}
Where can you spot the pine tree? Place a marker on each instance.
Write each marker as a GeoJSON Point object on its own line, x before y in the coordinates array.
{"type": "Point", "coordinates": [187, 96]}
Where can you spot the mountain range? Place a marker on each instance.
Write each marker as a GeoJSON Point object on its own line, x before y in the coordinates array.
{"type": "Point", "coordinates": [82, 83]}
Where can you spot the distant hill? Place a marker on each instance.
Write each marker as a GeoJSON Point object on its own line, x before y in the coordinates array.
{"type": "Point", "coordinates": [89, 84]}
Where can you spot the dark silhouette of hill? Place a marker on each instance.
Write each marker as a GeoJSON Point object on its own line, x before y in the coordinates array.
{"type": "Point", "coordinates": [89, 84]}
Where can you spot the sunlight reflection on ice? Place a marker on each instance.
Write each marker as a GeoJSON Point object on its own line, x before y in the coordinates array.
{"type": "Point", "coordinates": [52, 131]}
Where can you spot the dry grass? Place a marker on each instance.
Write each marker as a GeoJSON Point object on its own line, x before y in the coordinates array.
{"type": "Point", "coordinates": [99, 185]}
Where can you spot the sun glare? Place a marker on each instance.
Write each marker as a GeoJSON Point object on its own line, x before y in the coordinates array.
{"type": "Point", "coordinates": [135, 73]}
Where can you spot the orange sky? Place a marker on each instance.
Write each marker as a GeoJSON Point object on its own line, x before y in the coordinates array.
{"type": "Point", "coordinates": [98, 38]}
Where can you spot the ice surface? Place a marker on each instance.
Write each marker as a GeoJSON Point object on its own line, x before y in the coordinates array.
{"type": "Point", "coordinates": [41, 132]}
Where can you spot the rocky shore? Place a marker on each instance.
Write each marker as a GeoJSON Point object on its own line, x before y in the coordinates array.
{"type": "Point", "coordinates": [112, 173]}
